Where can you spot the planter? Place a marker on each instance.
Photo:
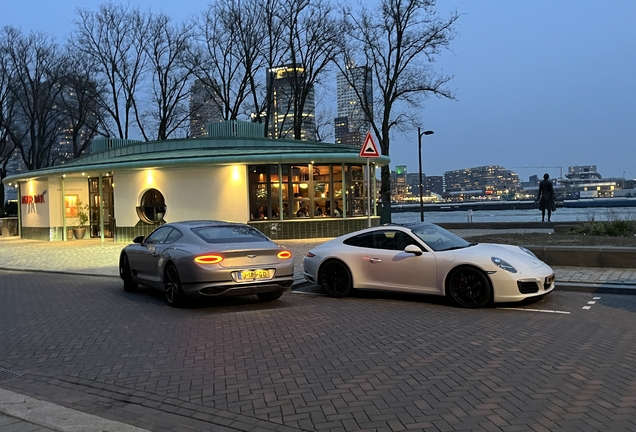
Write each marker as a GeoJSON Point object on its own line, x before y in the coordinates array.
{"type": "Point", "coordinates": [79, 233]}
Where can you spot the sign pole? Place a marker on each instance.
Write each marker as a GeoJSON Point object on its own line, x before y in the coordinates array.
{"type": "Point", "coordinates": [368, 193]}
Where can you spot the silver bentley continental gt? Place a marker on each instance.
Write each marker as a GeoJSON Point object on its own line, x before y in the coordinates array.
{"type": "Point", "coordinates": [207, 259]}
{"type": "Point", "coordinates": [425, 258]}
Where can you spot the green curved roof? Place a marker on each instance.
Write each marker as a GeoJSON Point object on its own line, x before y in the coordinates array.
{"type": "Point", "coordinates": [205, 151]}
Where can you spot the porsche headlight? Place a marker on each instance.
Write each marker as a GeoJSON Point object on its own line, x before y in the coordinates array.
{"type": "Point", "coordinates": [528, 251]}
{"type": "Point", "coordinates": [503, 265]}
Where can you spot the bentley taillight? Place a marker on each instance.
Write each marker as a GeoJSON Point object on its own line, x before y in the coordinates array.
{"type": "Point", "coordinates": [208, 259]}
{"type": "Point", "coordinates": [284, 255]}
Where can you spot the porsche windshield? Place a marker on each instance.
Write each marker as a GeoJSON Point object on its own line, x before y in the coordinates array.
{"type": "Point", "coordinates": [437, 238]}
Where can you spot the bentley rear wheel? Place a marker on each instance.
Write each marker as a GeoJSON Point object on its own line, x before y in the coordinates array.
{"type": "Point", "coordinates": [172, 287]}
{"type": "Point", "coordinates": [126, 275]}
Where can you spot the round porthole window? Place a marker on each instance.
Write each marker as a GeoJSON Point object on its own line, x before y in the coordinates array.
{"type": "Point", "coordinates": [152, 208]}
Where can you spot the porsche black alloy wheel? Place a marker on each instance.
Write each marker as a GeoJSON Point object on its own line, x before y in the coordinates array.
{"type": "Point", "coordinates": [172, 287]}
{"type": "Point", "coordinates": [335, 279]}
{"type": "Point", "coordinates": [469, 287]}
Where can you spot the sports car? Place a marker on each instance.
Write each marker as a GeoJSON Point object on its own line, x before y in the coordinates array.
{"type": "Point", "coordinates": [207, 259]}
{"type": "Point", "coordinates": [425, 258]}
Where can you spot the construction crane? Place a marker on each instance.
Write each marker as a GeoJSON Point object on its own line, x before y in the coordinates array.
{"type": "Point", "coordinates": [544, 166]}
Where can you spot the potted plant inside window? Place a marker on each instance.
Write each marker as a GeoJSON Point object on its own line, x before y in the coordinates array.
{"type": "Point", "coordinates": [82, 215]}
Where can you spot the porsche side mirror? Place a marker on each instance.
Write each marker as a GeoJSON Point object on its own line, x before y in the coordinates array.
{"type": "Point", "coordinates": [413, 249]}
{"type": "Point", "coordinates": [139, 239]}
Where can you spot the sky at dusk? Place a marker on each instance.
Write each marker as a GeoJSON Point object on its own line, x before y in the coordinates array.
{"type": "Point", "coordinates": [540, 84]}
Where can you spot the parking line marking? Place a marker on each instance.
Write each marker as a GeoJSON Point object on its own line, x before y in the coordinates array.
{"type": "Point", "coordinates": [596, 298]}
{"type": "Point", "coordinates": [587, 307]}
{"type": "Point", "coordinates": [537, 310]}
{"type": "Point", "coordinates": [591, 302]}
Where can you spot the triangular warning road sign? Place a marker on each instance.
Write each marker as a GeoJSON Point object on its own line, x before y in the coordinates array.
{"type": "Point", "coordinates": [369, 149]}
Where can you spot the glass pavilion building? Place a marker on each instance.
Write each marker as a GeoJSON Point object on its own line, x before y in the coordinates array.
{"type": "Point", "coordinates": [287, 189]}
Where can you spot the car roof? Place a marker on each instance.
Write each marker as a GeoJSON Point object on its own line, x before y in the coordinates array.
{"type": "Point", "coordinates": [409, 225]}
{"type": "Point", "coordinates": [195, 223]}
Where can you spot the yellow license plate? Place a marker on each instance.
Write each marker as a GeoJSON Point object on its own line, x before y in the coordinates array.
{"type": "Point", "coordinates": [254, 274]}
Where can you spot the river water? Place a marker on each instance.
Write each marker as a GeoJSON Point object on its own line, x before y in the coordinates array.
{"type": "Point", "coordinates": [529, 215]}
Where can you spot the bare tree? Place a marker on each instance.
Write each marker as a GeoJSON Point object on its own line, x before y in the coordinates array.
{"type": "Point", "coordinates": [6, 111]}
{"type": "Point", "coordinates": [165, 49]}
{"type": "Point", "coordinates": [399, 44]}
{"type": "Point", "coordinates": [230, 36]}
{"type": "Point", "coordinates": [249, 17]}
{"type": "Point", "coordinates": [33, 65]}
{"type": "Point", "coordinates": [114, 37]}
{"type": "Point", "coordinates": [273, 55]}
{"type": "Point", "coordinates": [312, 41]}
{"type": "Point", "coordinates": [79, 100]}
{"type": "Point", "coordinates": [324, 117]}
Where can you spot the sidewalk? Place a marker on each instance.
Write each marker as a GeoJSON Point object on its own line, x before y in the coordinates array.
{"type": "Point", "coordinates": [94, 258]}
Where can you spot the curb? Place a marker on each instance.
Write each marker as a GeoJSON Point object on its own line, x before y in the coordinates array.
{"type": "Point", "coordinates": [604, 288]}
{"type": "Point", "coordinates": [65, 272]}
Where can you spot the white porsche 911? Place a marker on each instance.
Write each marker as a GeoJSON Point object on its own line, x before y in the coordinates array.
{"type": "Point", "coordinates": [425, 258]}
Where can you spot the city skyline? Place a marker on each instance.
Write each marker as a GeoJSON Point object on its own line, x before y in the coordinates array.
{"type": "Point", "coordinates": [538, 84]}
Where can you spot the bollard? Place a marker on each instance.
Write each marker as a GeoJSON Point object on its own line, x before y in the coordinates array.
{"type": "Point", "coordinates": [470, 215]}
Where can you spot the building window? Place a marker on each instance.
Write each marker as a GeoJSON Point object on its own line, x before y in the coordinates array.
{"type": "Point", "coordinates": [306, 191]}
{"type": "Point", "coordinates": [152, 208]}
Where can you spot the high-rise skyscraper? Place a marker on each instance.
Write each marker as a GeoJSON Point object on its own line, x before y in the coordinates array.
{"type": "Point", "coordinates": [284, 85]}
{"type": "Point", "coordinates": [352, 123]}
{"type": "Point", "coordinates": [204, 107]}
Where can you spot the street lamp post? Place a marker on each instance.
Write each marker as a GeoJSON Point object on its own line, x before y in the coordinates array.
{"type": "Point", "coordinates": [419, 146]}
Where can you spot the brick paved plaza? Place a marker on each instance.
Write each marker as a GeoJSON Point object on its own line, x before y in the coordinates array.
{"type": "Point", "coordinates": [372, 362]}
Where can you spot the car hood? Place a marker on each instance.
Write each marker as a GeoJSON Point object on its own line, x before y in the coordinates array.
{"type": "Point", "coordinates": [513, 255]}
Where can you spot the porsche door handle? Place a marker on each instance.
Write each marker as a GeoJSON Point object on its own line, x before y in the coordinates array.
{"type": "Point", "coordinates": [375, 260]}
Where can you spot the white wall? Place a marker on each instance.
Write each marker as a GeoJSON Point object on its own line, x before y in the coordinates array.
{"type": "Point", "coordinates": [49, 213]}
{"type": "Point", "coordinates": [35, 215]}
{"type": "Point", "coordinates": [218, 192]}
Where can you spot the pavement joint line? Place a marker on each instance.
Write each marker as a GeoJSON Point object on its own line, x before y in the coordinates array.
{"type": "Point", "coordinates": [536, 310]}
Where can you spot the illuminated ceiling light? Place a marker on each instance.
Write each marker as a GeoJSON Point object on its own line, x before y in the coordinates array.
{"type": "Point", "coordinates": [83, 174]}
{"type": "Point", "coordinates": [236, 174]}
